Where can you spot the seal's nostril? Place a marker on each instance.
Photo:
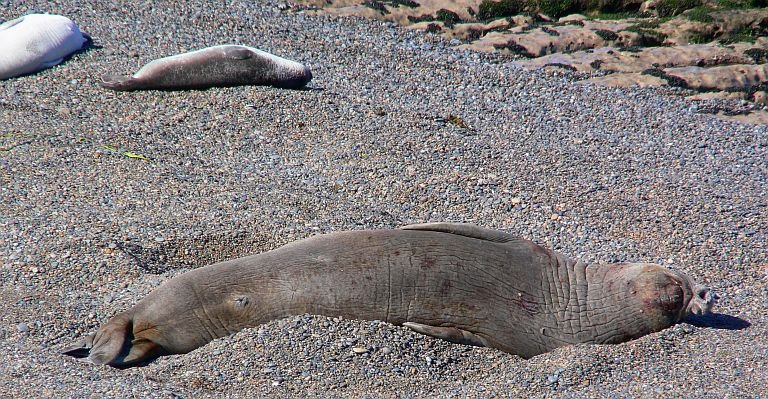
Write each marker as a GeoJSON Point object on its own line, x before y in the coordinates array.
{"type": "Point", "coordinates": [704, 294]}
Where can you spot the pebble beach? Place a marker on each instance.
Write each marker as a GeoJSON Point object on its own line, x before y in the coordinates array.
{"type": "Point", "coordinates": [104, 195]}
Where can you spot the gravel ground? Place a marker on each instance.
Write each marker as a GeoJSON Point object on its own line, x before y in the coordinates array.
{"type": "Point", "coordinates": [601, 174]}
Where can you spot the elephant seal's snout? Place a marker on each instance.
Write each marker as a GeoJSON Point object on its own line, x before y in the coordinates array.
{"type": "Point", "coordinates": [702, 302]}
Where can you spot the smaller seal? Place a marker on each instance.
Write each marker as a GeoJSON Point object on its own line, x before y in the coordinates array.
{"type": "Point", "coordinates": [37, 41]}
{"type": "Point", "coordinates": [218, 66]}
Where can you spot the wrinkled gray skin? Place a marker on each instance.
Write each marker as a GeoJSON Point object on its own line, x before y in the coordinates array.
{"type": "Point", "coordinates": [458, 282]}
{"type": "Point", "coordinates": [218, 66]}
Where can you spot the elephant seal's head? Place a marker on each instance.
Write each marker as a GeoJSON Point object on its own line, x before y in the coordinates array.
{"type": "Point", "coordinates": [663, 297]}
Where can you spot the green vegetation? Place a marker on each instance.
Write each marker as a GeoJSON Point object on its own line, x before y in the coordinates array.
{"type": "Point", "coordinates": [398, 3]}
{"type": "Point", "coordinates": [489, 9]}
{"type": "Point", "coordinates": [433, 28]}
{"type": "Point", "coordinates": [554, 8]}
{"type": "Point", "coordinates": [673, 81]}
{"type": "Point", "coordinates": [607, 35]}
{"type": "Point", "coordinates": [740, 4]}
{"type": "Point", "coordinates": [376, 5]}
{"type": "Point", "coordinates": [700, 39]}
{"type": "Point", "coordinates": [670, 8]}
{"type": "Point", "coordinates": [699, 14]}
{"type": "Point", "coordinates": [448, 17]}
{"type": "Point", "coordinates": [651, 37]}
{"type": "Point", "coordinates": [738, 37]}
{"type": "Point", "coordinates": [610, 16]}
{"type": "Point", "coordinates": [759, 55]}
{"type": "Point", "coordinates": [514, 48]}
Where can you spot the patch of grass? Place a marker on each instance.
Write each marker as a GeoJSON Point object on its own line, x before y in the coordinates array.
{"type": "Point", "coordinates": [611, 16]}
{"type": "Point", "coordinates": [607, 35]}
{"type": "Point", "coordinates": [740, 37]}
{"type": "Point", "coordinates": [376, 5]}
{"type": "Point", "coordinates": [670, 8]}
{"type": "Point", "coordinates": [651, 24]}
{"type": "Point", "coordinates": [650, 36]}
{"type": "Point", "coordinates": [563, 66]}
{"type": "Point", "coordinates": [514, 48]}
{"type": "Point", "coordinates": [489, 9]}
{"type": "Point", "coordinates": [759, 55]}
{"type": "Point", "coordinates": [609, 6]}
{"type": "Point", "coordinates": [433, 28]}
{"type": "Point", "coordinates": [700, 39]}
{"type": "Point", "coordinates": [699, 14]}
{"type": "Point", "coordinates": [448, 17]}
{"type": "Point", "coordinates": [553, 8]}
{"type": "Point", "coordinates": [740, 4]}
{"type": "Point", "coordinates": [673, 81]}
{"type": "Point", "coordinates": [398, 3]}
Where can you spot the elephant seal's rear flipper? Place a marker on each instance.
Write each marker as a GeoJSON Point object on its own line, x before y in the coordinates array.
{"type": "Point", "coordinates": [450, 334]}
{"type": "Point", "coordinates": [464, 229]}
{"type": "Point", "coordinates": [116, 344]}
{"type": "Point", "coordinates": [118, 82]}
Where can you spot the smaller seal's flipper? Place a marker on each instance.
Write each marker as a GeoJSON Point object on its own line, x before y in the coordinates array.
{"type": "Point", "coordinates": [9, 24]}
{"type": "Point", "coordinates": [450, 334]}
{"type": "Point", "coordinates": [465, 229]}
{"type": "Point", "coordinates": [117, 82]}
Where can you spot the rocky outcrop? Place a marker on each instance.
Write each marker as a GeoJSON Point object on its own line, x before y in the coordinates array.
{"type": "Point", "coordinates": [701, 49]}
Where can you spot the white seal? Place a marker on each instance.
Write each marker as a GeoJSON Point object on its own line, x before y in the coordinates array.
{"type": "Point", "coordinates": [37, 41]}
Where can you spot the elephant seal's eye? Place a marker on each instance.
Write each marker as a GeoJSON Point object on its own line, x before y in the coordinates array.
{"type": "Point", "coordinates": [241, 301]}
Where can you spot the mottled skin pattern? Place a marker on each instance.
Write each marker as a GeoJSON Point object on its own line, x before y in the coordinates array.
{"type": "Point", "coordinates": [218, 66]}
{"type": "Point", "coordinates": [458, 282]}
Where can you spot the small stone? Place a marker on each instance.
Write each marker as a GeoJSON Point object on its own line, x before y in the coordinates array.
{"type": "Point", "coordinates": [553, 379]}
{"type": "Point", "coordinates": [22, 327]}
{"type": "Point", "coordinates": [358, 350]}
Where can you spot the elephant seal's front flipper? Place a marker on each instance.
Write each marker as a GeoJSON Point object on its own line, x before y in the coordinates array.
{"type": "Point", "coordinates": [238, 52]}
{"type": "Point", "coordinates": [464, 229]}
{"type": "Point", "coordinates": [450, 334]}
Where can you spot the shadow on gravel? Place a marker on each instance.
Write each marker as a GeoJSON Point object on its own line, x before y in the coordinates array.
{"type": "Point", "coordinates": [719, 321]}
{"type": "Point", "coordinates": [195, 252]}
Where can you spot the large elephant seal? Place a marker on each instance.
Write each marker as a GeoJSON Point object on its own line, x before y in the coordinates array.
{"type": "Point", "coordinates": [37, 41]}
{"type": "Point", "coordinates": [458, 282]}
{"type": "Point", "coordinates": [218, 66]}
